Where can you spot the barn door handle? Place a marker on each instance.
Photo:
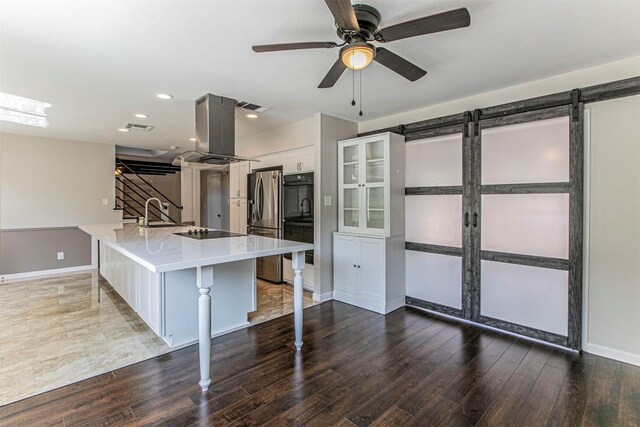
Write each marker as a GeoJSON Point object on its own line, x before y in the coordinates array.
{"type": "Point", "coordinates": [475, 219]}
{"type": "Point", "coordinates": [466, 219]}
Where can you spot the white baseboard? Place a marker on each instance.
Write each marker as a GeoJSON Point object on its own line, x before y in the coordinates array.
{"type": "Point", "coordinates": [368, 305]}
{"type": "Point", "coordinates": [611, 353]}
{"type": "Point", "coordinates": [394, 305]}
{"type": "Point", "coordinates": [177, 346]}
{"type": "Point", "coordinates": [328, 296]}
{"type": "Point", "coordinates": [41, 273]}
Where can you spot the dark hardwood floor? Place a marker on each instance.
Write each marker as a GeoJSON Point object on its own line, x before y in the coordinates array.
{"type": "Point", "coordinates": [356, 368]}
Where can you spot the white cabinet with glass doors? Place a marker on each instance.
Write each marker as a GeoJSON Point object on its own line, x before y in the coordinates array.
{"type": "Point", "coordinates": [371, 185]}
{"type": "Point", "coordinates": [368, 250]}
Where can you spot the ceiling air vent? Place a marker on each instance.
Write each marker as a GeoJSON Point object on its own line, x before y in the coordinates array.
{"type": "Point", "coordinates": [251, 107]}
{"type": "Point", "coordinates": [136, 126]}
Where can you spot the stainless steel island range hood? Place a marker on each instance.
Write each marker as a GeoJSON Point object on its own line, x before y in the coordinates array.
{"type": "Point", "coordinates": [215, 133]}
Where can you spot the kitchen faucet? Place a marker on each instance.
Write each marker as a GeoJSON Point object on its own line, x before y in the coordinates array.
{"type": "Point", "coordinates": [302, 206]}
{"type": "Point", "coordinates": [146, 209]}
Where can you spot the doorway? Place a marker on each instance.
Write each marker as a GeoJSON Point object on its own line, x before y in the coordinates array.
{"type": "Point", "coordinates": [214, 207]}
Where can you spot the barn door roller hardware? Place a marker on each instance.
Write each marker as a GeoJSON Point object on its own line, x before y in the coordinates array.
{"type": "Point", "coordinates": [575, 105]}
{"type": "Point", "coordinates": [476, 122]}
{"type": "Point", "coordinates": [467, 119]}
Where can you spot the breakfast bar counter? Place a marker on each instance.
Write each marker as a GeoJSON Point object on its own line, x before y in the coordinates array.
{"type": "Point", "coordinates": [191, 283]}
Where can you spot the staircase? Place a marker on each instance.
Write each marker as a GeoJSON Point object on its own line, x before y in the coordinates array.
{"type": "Point", "coordinates": [133, 190]}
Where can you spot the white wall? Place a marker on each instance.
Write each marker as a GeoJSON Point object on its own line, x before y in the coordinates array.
{"type": "Point", "coordinates": [295, 135]}
{"type": "Point", "coordinates": [48, 182]}
{"type": "Point", "coordinates": [613, 268]}
{"type": "Point", "coordinates": [617, 70]}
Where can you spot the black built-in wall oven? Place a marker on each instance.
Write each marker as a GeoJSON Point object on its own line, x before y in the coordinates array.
{"type": "Point", "coordinates": [298, 210]}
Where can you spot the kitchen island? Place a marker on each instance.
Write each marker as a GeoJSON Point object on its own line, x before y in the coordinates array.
{"type": "Point", "coordinates": [167, 275]}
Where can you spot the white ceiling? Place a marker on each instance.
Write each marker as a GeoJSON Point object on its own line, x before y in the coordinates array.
{"type": "Point", "coordinates": [100, 61]}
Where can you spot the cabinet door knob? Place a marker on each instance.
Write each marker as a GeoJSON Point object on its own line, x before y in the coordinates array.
{"type": "Point", "coordinates": [358, 266]}
{"type": "Point", "coordinates": [354, 265]}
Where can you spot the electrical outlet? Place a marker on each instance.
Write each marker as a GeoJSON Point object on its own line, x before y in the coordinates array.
{"type": "Point", "coordinates": [60, 256]}
{"type": "Point", "coordinates": [328, 201]}
{"type": "Point", "coordinates": [105, 201]}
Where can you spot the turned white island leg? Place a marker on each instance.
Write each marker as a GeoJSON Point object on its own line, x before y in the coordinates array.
{"type": "Point", "coordinates": [297, 262]}
{"type": "Point", "coordinates": [204, 279]}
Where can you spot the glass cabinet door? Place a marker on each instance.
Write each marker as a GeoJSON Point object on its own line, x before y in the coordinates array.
{"type": "Point", "coordinates": [375, 162]}
{"type": "Point", "coordinates": [364, 192]}
{"type": "Point", "coordinates": [375, 208]}
{"type": "Point", "coordinates": [351, 186]}
{"type": "Point", "coordinates": [350, 164]}
{"type": "Point", "coordinates": [374, 197]}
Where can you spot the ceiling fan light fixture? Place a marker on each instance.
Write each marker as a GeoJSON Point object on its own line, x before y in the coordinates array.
{"type": "Point", "coordinates": [357, 55]}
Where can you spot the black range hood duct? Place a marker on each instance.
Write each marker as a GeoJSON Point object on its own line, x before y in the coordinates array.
{"type": "Point", "coordinates": [215, 133]}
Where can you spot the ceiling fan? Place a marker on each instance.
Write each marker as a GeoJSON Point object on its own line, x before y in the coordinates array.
{"type": "Point", "coordinates": [357, 25]}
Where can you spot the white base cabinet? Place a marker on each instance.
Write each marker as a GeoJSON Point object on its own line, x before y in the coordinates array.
{"type": "Point", "coordinates": [368, 271]}
{"type": "Point", "coordinates": [168, 302]}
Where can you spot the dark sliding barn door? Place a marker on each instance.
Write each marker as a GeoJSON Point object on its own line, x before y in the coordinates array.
{"type": "Point", "coordinates": [494, 221]}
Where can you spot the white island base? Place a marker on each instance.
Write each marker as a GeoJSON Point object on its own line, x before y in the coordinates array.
{"type": "Point", "coordinates": [168, 302]}
{"type": "Point", "coordinates": [175, 282]}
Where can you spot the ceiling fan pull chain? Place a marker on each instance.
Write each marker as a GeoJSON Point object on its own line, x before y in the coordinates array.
{"type": "Point", "coordinates": [353, 88]}
{"type": "Point", "coordinates": [360, 76]}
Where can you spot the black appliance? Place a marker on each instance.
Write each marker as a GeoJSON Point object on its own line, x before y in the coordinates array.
{"type": "Point", "coordinates": [298, 210]}
{"type": "Point", "coordinates": [203, 234]}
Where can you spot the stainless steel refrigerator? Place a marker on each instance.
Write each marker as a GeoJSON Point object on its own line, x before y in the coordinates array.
{"type": "Point", "coordinates": [264, 217]}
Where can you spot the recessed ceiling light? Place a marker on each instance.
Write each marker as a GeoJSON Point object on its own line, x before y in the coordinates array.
{"type": "Point", "coordinates": [141, 116]}
{"type": "Point", "coordinates": [174, 147]}
{"type": "Point", "coordinates": [123, 130]}
{"type": "Point", "coordinates": [164, 96]}
{"type": "Point", "coordinates": [192, 139]}
{"type": "Point", "coordinates": [252, 116]}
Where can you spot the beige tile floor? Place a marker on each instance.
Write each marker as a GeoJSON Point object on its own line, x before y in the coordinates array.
{"type": "Point", "coordinates": [59, 330]}
{"type": "Point", "coordinates": [275, 301]}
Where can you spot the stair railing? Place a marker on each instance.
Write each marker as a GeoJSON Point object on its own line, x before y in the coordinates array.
{"type": "Point", "coordinates": [152, 208]}
{"type": "Point", "coordinates": [119, 163]}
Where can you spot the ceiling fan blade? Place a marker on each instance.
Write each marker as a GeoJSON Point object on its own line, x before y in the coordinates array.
{"type": "Point", "coordinates": [398, 64]}
{"type": "Point", "coordinates": [293, 46]}
{"type": "Point", "coordinates": [343, 13]}
{"type": "Point", "coordinates": [333, 75]}
{"type": "Point", "coordinates": [450, 20]}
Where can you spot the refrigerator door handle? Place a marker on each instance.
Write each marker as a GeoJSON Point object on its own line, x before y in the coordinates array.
{"type": "Point", "coordinates": [260, 199]}
{"type": "Point", "coordinates": [255, 199]}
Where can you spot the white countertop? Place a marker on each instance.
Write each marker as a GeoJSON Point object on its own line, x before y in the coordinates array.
{"type": "Point", "coordinates": [159, 250]}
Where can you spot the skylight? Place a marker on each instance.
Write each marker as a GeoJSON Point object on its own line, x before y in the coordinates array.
{"type": "Point", "coordinates": [23, 111]}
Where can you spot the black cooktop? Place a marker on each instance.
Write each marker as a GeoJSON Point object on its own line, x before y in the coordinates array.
{"type": "Point", "coordinates": [203, 234]}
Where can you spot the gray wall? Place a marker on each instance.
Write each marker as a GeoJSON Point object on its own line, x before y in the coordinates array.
{"type": "Point", "coordinates": [36, 249]}
{"type": "Point", "coordinates": [331, 130]}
